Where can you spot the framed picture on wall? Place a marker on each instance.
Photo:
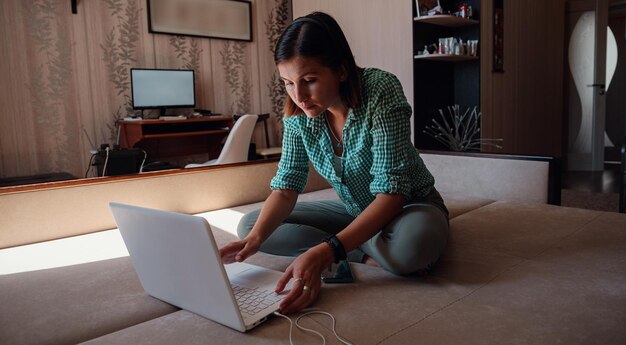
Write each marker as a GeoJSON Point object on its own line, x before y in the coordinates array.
{"type": "Point", "coordinates": [223, 19]}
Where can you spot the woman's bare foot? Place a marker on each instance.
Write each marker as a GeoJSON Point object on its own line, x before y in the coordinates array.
{"type": "Point", "coordinates": [371, 262]}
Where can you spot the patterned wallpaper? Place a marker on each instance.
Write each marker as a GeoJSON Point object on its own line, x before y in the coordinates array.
{"type": "Point", "coordinates": [68, 76]}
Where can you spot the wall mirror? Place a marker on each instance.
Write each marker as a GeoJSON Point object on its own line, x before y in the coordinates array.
{"type": "Point", "coordinates": [67, 78]}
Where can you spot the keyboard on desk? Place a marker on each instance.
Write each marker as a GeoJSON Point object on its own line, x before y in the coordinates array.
{"type": "Point", "coordinates": [252, 301]}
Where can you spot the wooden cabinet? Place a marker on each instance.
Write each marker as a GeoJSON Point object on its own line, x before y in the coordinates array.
{"type": "Point", "coordinates": [442, 75]}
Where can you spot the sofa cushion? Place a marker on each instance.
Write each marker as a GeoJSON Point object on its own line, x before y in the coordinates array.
{"type": "Point", "coordinates": [496, 283]}
{"type": "Point", "coordinates": [459, 204]}
{"type": "Point", "coordinates": [517, 228]}
{"type": "Point", "coordinates": [72, 304]}
{"type": "Point", "coordinates": [184, 327]}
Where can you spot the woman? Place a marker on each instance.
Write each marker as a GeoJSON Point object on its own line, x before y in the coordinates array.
{"type": "Point", "coordinates": [353, 124]}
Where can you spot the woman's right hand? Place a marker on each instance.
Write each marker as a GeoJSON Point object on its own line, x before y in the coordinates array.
{"type": "Point", "coordinates": [238, 251]}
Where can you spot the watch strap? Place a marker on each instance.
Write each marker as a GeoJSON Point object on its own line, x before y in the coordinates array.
{"type": "Point", "coordinates": [339, 252]}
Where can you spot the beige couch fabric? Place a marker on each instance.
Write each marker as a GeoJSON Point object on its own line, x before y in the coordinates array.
{"type": "Point", "coordinates": [513, 272]}
{"type": "Point", "coordinates": [75, 303]}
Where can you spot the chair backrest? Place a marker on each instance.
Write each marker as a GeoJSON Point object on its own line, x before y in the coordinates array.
{"type": "Point", "coordinates": [236, 147]}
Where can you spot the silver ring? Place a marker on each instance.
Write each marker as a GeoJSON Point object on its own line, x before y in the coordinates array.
{"type": "Point", "coordinates": [297, 280]}
{"type": "Point", "coordinates": [306, 288]}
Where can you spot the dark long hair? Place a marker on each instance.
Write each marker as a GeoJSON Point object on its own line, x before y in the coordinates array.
{"type": "Point", "coordinates": [317, 35]}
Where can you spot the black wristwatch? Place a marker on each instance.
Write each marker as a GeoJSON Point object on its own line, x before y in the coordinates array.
{"type": "Point", "coordinates": [339, 251]}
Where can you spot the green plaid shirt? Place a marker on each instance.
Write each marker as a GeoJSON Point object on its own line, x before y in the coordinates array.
{"type": "Point", "coordinates": [378, 156]}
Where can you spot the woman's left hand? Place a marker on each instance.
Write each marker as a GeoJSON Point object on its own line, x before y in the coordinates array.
{"type": "Point", "coordinates": [306, 271]}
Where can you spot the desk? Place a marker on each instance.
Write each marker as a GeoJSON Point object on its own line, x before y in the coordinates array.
{"type": "Point", "coordinates": [171, 138]}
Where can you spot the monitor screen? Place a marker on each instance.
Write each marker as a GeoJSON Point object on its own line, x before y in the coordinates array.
{"type": "Point", "coordinates": [160, 88]}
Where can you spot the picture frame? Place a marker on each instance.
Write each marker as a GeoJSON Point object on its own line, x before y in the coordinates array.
{"type": "Point", "coordinates": [498, 36]}
{"type": "Point", "coordinates": [220, 19]}
{"type": "Point", "coordinates": [427, 7]}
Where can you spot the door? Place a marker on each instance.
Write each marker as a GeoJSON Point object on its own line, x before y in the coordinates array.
{"type": "Point", "coordinates": [588, 61]}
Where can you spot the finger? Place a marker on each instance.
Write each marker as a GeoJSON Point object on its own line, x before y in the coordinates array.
{"type": "Point", "coordinates": [244, 253]}
{"type": "Point", "coordinates": [302, 300]}
{"type": "Point", "coordinates": [287, 302]}
{"type": "Point", "coordinates": [284, 279]}
{"type": "Point", "coordinates": [307, 296]}
{"type": "Point", "coordinates": [229, 251]}
{"type": "Point", "coordinates": [295, 294]}
{"type": "Point", "coordinates": [227, 256]}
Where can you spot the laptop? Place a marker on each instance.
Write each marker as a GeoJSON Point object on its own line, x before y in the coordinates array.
{"type": "Point", "coordinates": [178, 262]}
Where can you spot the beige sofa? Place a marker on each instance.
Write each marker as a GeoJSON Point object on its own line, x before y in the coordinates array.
{"type": "Point", "coordinates": [516, 271]}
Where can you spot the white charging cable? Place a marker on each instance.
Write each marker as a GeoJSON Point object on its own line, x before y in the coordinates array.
{"type": "Point", "coordinates": [106, 162]}
{"type": "Point", "coordinates": [311, 312]}
{"type": "Point", "coordinates": [145, 155]}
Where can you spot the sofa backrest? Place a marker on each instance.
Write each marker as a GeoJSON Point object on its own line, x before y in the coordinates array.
{"type": "Point", "coordinates": [496, 177]}
{"type": "Point", "coordinates": [61, 209]}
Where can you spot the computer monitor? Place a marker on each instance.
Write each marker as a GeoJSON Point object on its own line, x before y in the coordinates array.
{"type": "Point", "coordinates": [162, 88]}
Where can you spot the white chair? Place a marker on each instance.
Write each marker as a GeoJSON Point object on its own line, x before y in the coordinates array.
{"type": "Point", "coordinates": [236, 147]}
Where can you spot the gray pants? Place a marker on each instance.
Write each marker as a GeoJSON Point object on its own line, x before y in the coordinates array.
{"type": "Point", "coordinates": [411, 242]}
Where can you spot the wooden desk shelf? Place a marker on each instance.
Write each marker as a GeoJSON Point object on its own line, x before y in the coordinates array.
{"type": "Point", "coordinates": [165, 138]}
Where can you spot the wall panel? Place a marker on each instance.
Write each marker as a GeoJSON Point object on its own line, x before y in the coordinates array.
{"type": "Point", "coordinates": [379, 33]}
{"type": "Point", "coordinates": [524, 105]}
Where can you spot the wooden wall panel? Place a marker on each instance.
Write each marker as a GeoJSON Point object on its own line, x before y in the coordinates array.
{"type": "Point", "coordinates": [13, 94]}
{"type": "Point", "coordinates": [524, 105]}
{"type": "Point", "coordinates": [68, 76]}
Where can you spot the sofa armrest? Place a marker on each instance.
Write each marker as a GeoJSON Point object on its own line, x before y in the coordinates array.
{"type": "Point", "coordinates": [496, 176]}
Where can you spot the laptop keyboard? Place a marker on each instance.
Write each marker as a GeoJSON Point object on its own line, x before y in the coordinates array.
{"type": "Point", "coordinates": [252, 301]}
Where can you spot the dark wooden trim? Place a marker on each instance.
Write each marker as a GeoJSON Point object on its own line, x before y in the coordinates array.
{"type": "Point", "coordinates": [622, 175]}
{"type": "Point", "coordinates": [109, 179]}
{"type": "Point", "coordinates": [554, 168]}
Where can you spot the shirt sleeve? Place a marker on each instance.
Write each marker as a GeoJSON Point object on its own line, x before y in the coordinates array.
{"type": "Point", "coordinates": [391, 131]}
{"type": "Point", "coordinates": [293, 168]}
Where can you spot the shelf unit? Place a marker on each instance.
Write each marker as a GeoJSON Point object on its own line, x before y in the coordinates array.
{"type": "Point", "coordinates": [442, 80]}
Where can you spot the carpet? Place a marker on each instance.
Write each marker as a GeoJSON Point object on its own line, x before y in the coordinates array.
{"type": "Point", "coordinates": [608, 202]}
